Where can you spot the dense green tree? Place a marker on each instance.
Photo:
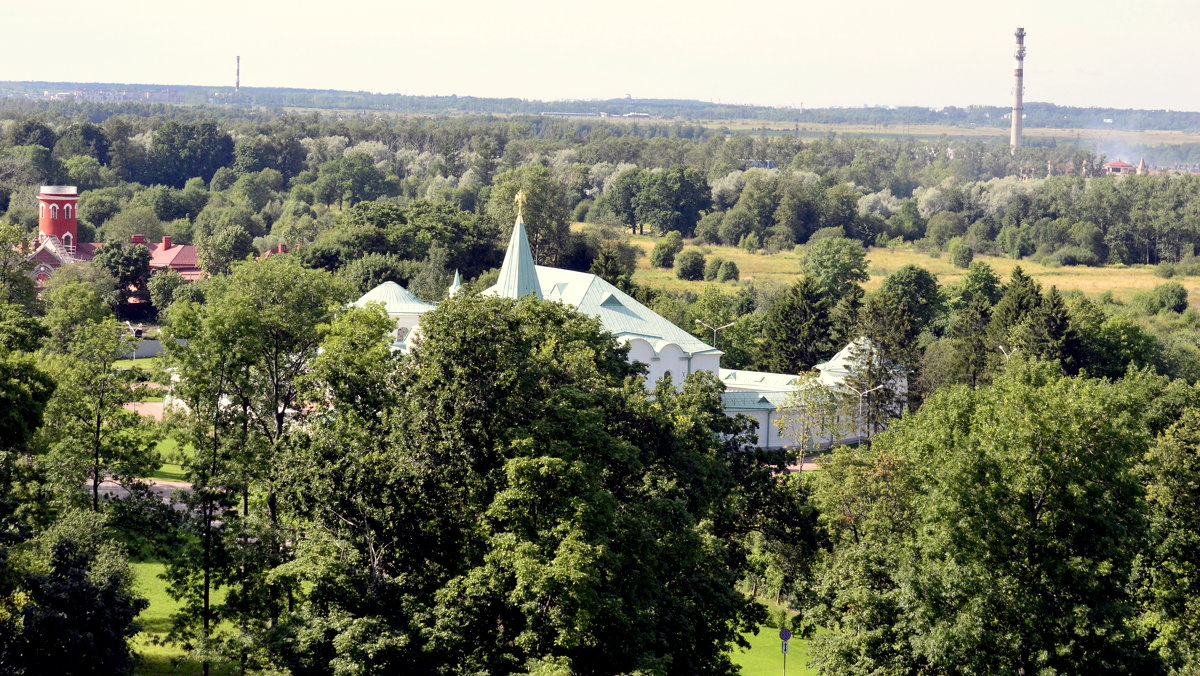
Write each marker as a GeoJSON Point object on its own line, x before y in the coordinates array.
{"type": "Point", "coordinates": [70, 307]}
{"type": "Point", "coordinates": [30, 132]}
{"type": "Point", "coordinates": [84, 139]}
{"type": "Point", "coordinates": [1168, 572]}
{"type": "Point", "coordinates": [836, 264]}
{"type": "Point", "coordinates": [520, 516]}
{"type": "Point", "coordinates": [373, 269]}
{"type": "Point", "coordinates": [796, 329]}
{"type": "Point", "coordinates": [162, 287]}
{"type": "Point", "coordinates": [546, 212]}
{"type": "Point", "coordinates": [75, 604]}
{"type": "Point", "coordinates": [16, 285]}
{"type": "Point", "coordinates": [219, 250]}
{"type": "Point", "coordinates": [130, 266]}
{"type": "Point", "coordinates": [962, 536]}
{"type": "Point", "coordinates": [729, 272]}
{"type": "Point", "coordinates": [917, 296]}
{"type": "Point", "coordinates": [182, 150]}
{"type": "Point", "coordinates": [242, 363]}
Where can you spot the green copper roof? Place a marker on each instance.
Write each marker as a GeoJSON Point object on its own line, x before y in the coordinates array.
{"type": "Point", "coordinates": [396, 300]}
{"type": "Point", "coordinates": [757, 381]}
{"type": "Point", "coordinates": [517, 275]}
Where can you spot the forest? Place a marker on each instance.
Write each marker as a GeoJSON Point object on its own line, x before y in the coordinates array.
{"type": "Point", "coordinates": [508, 497]}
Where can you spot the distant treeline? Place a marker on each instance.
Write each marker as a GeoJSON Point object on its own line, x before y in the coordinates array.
{"type": "Point", "coordinates": [1036, 114]}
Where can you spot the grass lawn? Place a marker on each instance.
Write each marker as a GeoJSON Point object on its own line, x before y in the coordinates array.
{"type": "Point", "coordinates": [173, 457]}
{"type": "Point", "coordinates": [155, 620]}
{"type": "Point", "coordinates": [765, 659]}
{"type": "Point", "coordinates": [783, 267]}
{"type": "Point", "coordinates": [145, 363]}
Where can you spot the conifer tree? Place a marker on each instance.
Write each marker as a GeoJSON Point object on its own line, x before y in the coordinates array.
{"type": "Point", "coordinates": [796, 329]}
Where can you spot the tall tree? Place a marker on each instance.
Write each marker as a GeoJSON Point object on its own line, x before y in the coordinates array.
{"type": "Point", "coordinates": [991, 532]}
{"type": "Point", "coordinates": [92, 436]}
{"type": "Point", "coordinates": [491, 535]}
{"type": "Point", "coordinates": [836, 263]}
{"type": "Point", "coordinates": [546, 212]}
{"type": "Point", "coordinates": [796, 329]}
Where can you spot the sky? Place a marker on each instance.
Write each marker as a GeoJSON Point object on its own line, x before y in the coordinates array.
{"type": "Point", "coordinates": [1121, 54]}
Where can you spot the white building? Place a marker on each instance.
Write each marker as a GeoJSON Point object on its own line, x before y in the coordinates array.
{"type": "Point", "coordinates": [665, 348]}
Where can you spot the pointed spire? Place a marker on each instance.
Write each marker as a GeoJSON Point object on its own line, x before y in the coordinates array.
{"type": "Point", "coordinates": [517, 275]}
{"type": "Point", "coordinates": [455, 286]}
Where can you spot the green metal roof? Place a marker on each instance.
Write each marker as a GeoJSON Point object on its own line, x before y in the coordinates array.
{"type": "Point", "coordinates": [517, 274]}
{"type": "Point", "coordinates": [758, 381]}
{"type": "Point", "coordinates": [617, 311]}
{"type": "Point", "coordinates": [396, 300]}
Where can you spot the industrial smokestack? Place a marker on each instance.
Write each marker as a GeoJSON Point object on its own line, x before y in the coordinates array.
{"type": "Point", "coordinates": [1018, 110]}
{"type": "Point", "coordinates": [237, 84]}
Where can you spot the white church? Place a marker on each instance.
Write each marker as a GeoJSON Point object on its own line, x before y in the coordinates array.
{"type": "Point", "coordinates": [665, 348]}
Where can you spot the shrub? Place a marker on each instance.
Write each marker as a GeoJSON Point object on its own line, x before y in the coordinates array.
{"type": "Point", "coordinates": [728, 272]}
{"type": "Point", "coordinates": [674, 242]}
{"type": "Point", "coordinates": [712, 268]}
{"type": "Point", "coordinates": [1170, 296]}
{"type": "Point", "coordinates": [750, 243]}
{"type": "Point", "coordinates": [1074, 255]}
{"type": "Point", "coordinates": [661, 256]}
{"type": "Point", "coordinates": [689, 265]}
{"type": "Point", "coordinates": [961, 254]}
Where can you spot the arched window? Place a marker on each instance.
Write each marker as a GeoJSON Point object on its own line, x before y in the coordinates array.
{"type": "Point", "coordinates": [41, 209]}
{"type": "Point", "coordinates": [668, 375]}
{"type": "Point", "coordinates": [54, 211]}
{"type": "Point", "coordinates": [68, 241]}
{"type": "Point", "coordinates": [67, 211]}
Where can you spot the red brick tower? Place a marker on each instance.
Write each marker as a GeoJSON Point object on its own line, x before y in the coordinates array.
{"type": "Point", "coordinates": [58, 215]}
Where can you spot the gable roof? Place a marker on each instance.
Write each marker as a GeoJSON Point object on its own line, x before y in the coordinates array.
{"type": "Point", "coordinates": [757, 381]}
{"type": "Point", "coordinates": [396, 300]}
{"type": "Point", "coordinates": [518, 276]}
{"type": "Point", "coordinates": [617, 311]}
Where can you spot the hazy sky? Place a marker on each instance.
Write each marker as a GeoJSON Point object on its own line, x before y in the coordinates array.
{"type": "Point", "coordinates": [1125, 54]}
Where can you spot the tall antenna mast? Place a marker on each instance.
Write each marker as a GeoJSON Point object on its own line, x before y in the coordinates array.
{"type": "Point", "coordinates": [1018, 110]}
{"type": "Point", "coordinates": [237, 85]}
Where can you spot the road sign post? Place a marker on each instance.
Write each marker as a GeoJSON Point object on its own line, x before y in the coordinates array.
{"type": "Point", "coordinates": [785, 635]}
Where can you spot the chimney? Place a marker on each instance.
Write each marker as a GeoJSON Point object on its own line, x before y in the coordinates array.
{"type": "Point", "coordinates": [137, 239]}
{"type": "Point", "coordinates": [166, 243]}
{"type": "Point", "coordinates": [1018, 110]}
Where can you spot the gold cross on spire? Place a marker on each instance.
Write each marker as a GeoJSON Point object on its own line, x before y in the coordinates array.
{"type": "Point", "coordinates": [520, 200]}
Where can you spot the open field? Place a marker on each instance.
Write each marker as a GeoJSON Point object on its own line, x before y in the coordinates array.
{"type": "Point", "coordinates": [783, 267]}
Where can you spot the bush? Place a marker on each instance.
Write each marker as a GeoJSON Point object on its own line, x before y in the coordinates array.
{"type": "Point", "coordinates": [1170, 296]}
{"type": "Point", "coordinates": [750, 243]}
{"type": "Point", "coordinates": [661, 256]}
{"type": "Point", "coordinates": [689, 265]}
{"type": "Point", "coordinates": [1074, 255]}
{"type": "Point", "coordinates": [674, 242]}
{"type": "Point", "coordinates": [709, 227]}
{"type": "Point", "coordinates": [961, 254]}
{"type": "Point", "coordinates": [711, 268]}
{"type": "Point", "coordinates": [729, 272]}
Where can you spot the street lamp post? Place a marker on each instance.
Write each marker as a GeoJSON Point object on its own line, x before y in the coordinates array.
{"type": "Point", "coordinates": [860, 400]}
{"type": "Point", "coordinates": [714, 329]}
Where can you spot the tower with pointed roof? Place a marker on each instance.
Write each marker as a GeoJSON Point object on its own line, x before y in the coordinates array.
{"type": "Point", "coordinates": [518, 277]}
{"type": "Point", "coordinates": [455, 286]}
